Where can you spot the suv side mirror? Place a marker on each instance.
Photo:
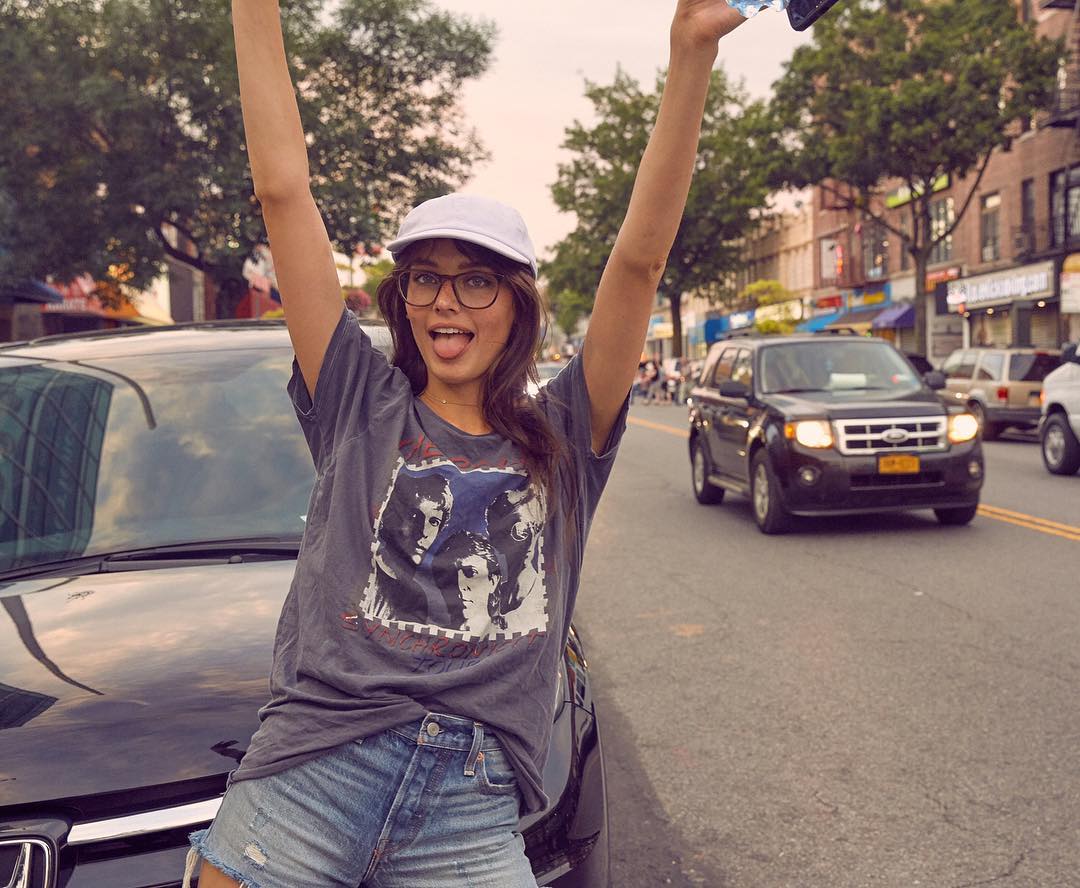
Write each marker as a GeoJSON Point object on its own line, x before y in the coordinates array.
{"type": "Point", "coordinates": [1068, 354]}
{"type": "Point", "coordinates": [731, 389]}
{"type": "Point", "coordinates": [934, 379]}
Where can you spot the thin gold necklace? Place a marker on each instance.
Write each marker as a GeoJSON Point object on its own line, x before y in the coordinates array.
{"type": "Point", "coordinates": [426, 394]}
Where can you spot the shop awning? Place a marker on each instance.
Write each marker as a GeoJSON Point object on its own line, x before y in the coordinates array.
{"type": "Point", "coordinates": [856, 318]}
{"type": "Point", "coordinates": [31, 291]}
{"type": "Point", "coordinates": [818, 323]}
{"type": "Point", "coordinates": [896, 317]}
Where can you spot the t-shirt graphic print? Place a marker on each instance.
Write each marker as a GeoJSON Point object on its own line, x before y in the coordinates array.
{"type": "Point", "coordinates": [458, 553]}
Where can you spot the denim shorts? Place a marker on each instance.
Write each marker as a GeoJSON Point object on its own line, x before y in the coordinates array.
{"type": "Point", "coordinates": [431, 804]}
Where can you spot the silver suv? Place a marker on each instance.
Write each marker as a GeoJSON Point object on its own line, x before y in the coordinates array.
{"type": "Point", "coordinates": [1001, 386]}
{"type": "Point", "coordinates": [1059, 430]}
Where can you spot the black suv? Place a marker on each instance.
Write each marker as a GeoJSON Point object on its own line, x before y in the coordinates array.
{"type": "Point", "coordinates": [829, 425]}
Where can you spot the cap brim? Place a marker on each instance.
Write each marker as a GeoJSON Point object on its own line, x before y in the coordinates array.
{"type": "Point", "coordinates": [471, 237]}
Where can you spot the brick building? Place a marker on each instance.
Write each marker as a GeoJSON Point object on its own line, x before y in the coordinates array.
{"type": "Point", "coordinates": [1001, 277]}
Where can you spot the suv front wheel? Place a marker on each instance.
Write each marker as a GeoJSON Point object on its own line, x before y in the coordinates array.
{"type": "Point", "coordinates": [769, 511]}
{"type": "Point", "coordinates": [958, 516]}
{"type": "Point", "coordinates": [1060, 449]}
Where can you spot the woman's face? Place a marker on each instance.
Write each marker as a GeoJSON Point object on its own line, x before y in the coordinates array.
{"type": "Point", "coordinates": [476, 583]}
{"type": "Point", "coordinates": [473, 338]}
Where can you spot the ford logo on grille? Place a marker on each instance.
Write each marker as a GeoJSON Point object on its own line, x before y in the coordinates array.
{"type": "Point", "coordinates": [895, 436]}
{"type": "Point", "coordinates": [26, 863]}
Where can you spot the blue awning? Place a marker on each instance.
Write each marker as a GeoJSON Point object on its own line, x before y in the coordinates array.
{"type": "Point", "coordinates": [31, 291]}
{"type": "Point", "coordinates": [895, 317]}
{"type": "Point", "coordinates": [818, 323]}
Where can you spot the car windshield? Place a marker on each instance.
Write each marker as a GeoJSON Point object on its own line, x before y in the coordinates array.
{"type": "Point", "coordinates": [1032, 367]}
{"type": "Point", "coordinates": [834, 365]}
{"type": "Point", "coordinates": [122, 454]}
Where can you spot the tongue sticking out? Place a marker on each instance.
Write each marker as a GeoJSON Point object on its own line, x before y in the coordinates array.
{"type": "Point", "coordinates": [450, 345]}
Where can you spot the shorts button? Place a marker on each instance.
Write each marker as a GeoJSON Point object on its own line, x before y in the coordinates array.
{"type": "Point", "coordinates": [433, 729]}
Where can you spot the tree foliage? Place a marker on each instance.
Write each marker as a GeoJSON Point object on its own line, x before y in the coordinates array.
{"type": "Point", "coordinates": [729, 187]}
{"type": "Point", "coordinates": [908, 90]}
{"type": "Point", "coordinates": [125, 116]}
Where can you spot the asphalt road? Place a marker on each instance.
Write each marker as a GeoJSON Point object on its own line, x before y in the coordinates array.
{"type": "Point", "coordinates": [870, 701]}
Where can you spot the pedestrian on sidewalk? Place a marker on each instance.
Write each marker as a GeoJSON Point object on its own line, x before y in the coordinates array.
{"type": "Point", "coordinates": [374, 764]}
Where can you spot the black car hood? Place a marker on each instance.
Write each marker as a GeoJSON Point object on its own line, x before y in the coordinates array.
{"type": "Point", "coordinates": [856, 404]}
{"type": "Point", "coordinates": [122, 680]}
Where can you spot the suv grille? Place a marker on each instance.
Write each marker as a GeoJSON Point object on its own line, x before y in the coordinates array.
{"type": "Point", "coordinates": [908, 433]}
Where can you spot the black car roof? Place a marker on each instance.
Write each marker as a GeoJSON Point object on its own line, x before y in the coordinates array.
{"type": "Point", "coordinates": [185, 337]}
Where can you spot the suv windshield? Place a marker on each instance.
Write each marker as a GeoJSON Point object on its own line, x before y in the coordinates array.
{"type": "Point", "coordinates": [834, 365]}
{"type": "Point", "coordinates": [128, 453]}
{"type": "Point", "coordinates": [1032, 367]}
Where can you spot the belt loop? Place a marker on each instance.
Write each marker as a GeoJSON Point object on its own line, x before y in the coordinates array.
{"type": "Point", "coordinates": [474, 753]}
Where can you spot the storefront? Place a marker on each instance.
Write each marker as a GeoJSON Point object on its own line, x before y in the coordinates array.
{"type": "Point", "coordinates": [863, 307]}
{"type": "Point", "coordinates": [658, 340]}
{"type": "Point", "coordinates": [1015, 307]}
{"type": "Point", "coordinates": [1070, 298]}
{"type": "Point", "coordinates": [823, 311]}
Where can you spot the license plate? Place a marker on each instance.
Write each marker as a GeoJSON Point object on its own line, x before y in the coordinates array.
{"type": "Point", "coordinates": [898, 464]}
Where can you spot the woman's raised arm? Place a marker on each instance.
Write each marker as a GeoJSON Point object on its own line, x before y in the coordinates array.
{"type": "Point", "coordinates": [625, 296]}
{"type": "Point", "coordinates": [303, 259]}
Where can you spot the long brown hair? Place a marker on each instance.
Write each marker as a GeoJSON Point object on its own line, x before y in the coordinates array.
{"type": "Point", "coordinates": [506, 407]}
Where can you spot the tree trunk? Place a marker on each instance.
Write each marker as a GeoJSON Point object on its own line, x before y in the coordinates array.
{"type": "Point", "coordinates": [676, 324]}
{"type": "Point", "coordinates": [923, 339]}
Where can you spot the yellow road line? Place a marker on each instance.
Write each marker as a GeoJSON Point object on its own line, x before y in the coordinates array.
{"type": "Point", "coordinates": [1034, 524]}
{"type": "Point", "coordinates": [660, 427]}
{"type": "Point", "coordinates": [1019, 519]}
{"type": "Point", "coordinates": [1007, 513]}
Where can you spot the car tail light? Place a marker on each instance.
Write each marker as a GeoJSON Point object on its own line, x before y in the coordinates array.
{"type": "Point", "coordinates": [1003, 394]}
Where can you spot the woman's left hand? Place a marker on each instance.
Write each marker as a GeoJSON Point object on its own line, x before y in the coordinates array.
{"type": "Point", "coordinates": [701, 23]}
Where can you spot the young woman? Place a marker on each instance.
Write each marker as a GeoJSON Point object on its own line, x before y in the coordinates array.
{"type": "Point", "coordinates": [403, 740]}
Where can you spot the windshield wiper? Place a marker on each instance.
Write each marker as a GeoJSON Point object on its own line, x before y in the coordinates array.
{"type": "Point", "coordinates": [794, 391]}
{"type": "Point", "coordinates": [237, 551]}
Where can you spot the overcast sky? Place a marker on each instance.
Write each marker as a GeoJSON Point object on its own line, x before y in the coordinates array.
{"type": "Point", "coordinates": [535, 87]}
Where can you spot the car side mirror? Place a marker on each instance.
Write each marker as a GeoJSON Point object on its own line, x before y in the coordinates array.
{"type": "Point", "coordinates": [934, 379]}
{"type": "Point", "coordinates": [731, 389]}
{"type": "Point", "coordinates": [1068, 354]}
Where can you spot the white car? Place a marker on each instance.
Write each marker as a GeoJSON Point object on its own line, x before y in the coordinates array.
{"type": "Point", "coordinates": [1059, 427]}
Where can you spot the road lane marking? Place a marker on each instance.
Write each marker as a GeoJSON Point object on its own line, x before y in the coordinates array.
{"type": "Point", "coordinates": [1034, 524]}
{"type": "Point", "coordinates": [1019, 519]}
{"type": "Point", "coordinates": [1008, 513]}
{"type": "Point", "coordinates": [660, 427]}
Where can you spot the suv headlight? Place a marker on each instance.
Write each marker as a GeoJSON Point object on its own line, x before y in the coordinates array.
{"type": "Point", "coordinates": [815, 433]}
{"type": "Point", "coordinates": [962, 427]}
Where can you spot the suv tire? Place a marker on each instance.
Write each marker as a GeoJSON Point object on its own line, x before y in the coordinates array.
{"type": "Point", "coordinates": [769, 511]}
{"type": "Point", "coordinates": [991, 431]}
{"type": "Point", "coordinates": [958, 516]}
{"type": "Point", "coordinates": [707, 493]}
{"type": "Point", "coordinates": [1060, 449]}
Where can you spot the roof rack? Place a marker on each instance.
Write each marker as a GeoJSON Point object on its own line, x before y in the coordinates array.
{"type": "Point", "coordinates": [838, 331]}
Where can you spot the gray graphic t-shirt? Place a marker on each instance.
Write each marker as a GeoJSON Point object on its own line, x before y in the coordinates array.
{"type": "Point", "coordinates": [432, 577]}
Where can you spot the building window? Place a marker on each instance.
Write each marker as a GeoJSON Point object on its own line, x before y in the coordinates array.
{"type": "Point", "coordinates": [875, 244]}
{"type": "Point", "coordinates": [1064, 206]}
{"type": "Point", "coordinates": [832, 260]}
{"type": "Point", "coordinates": [988, 224]}
{"type": "Point", "coordinates": [942, 216]}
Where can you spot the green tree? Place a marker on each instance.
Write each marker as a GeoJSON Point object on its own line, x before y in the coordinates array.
{"type": "Point", "coordinates": [766, 292]}
{"type": "Point", "coordinates": [568, 308]}
{"type": "Point", "coordinates": [124, 119]}
{"type": "Point", "coordinates": [728, 189]}
{"type": "Point", "coordinates": [909, 90]}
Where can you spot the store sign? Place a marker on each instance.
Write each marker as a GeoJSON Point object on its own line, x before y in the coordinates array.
{"type": "Point", "coordinates": [1001, 287]}
{"type": "Point", "coordinates": [902, 195]}
{"type": "Point", "coordinates": [741, 319]}
{"type": "Point", "coordinates": [861, 300]}
{"type": "Point", "coordinates": [828, 304]}
{"type": "Point", "coordinates": [1070, 284]}
{"type": "Point", "coordinates": [933, 278]}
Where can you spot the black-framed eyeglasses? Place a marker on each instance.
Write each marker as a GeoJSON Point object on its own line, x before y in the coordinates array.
{"type": "Point", "coordinates": [472, 289]}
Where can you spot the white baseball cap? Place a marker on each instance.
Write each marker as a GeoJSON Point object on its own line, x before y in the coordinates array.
{"type": "Point", "coordinates": [466, 217]}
